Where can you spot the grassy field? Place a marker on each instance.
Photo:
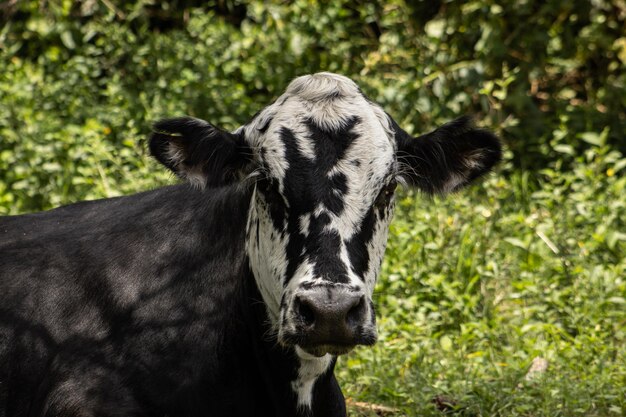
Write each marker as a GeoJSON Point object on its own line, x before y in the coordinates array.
{"type": "Point", "coordinates": [527, 268]}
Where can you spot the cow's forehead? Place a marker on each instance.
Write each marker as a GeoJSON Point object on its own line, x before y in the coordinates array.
{"type": "Point", "coordinates": [314, 110]}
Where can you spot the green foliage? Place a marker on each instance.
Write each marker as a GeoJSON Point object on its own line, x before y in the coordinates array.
{"type": "Point", "coordinates": [475, 287]}
{"type": "Point", "coordinates": [75, 73]}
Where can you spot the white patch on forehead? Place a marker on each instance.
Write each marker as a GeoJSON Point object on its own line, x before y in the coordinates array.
{"type": "Point", "coordinates": [326, 98]}
{"type": "Point", "coordinates": [331, 117]}
{"type": "Point", "coordinates": [310, 369]}
{"type": "Point", "coordinates": [322, 86]}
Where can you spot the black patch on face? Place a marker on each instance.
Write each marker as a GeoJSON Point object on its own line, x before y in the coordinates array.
{"type": "Point", "coordinates": [357, 245]}
{"type": "Point", "coordinates": [323, 247]}
{"type": "Point", "coordinates": [306, 186]}
{"type": "Point", "coordinates": [331, 145]}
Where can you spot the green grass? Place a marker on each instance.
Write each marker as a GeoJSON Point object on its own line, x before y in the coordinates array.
{"type": "Point", "coordinates": [475, 286]}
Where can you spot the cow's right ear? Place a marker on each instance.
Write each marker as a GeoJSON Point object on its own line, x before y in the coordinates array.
{"type": "Point", "coordinates": [448, 158]}
{"type": "Point", "coordinates": [199, 152]}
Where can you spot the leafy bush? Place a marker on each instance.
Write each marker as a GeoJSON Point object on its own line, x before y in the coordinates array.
{"type": "Point", "coordinates": [80, 73]}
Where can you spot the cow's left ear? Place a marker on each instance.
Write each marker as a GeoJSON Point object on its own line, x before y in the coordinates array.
{"type": "Point", "coordinates": [447, 158]}
{"type": "Point", "coordinates": [199, 152]}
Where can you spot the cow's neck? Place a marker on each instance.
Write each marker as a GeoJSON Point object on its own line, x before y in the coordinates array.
{"type": "Point", "coordinates": [307, 380]}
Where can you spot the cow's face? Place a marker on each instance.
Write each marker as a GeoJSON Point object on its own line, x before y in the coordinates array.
{"type": "Point", "coordinates": [324, 162]}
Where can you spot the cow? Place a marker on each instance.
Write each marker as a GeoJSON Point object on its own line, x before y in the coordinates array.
{"type": "Point", "coordinates": [234, 292]}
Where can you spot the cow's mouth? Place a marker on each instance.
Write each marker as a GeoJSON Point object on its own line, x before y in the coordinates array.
{"type": "Point", "coordinates": [305, 346]}
{"type": "Point", "coordinates": [322, 350]}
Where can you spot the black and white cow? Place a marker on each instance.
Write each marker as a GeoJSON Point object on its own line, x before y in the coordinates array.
{"type": "Point", "coordinates": [231, 296]}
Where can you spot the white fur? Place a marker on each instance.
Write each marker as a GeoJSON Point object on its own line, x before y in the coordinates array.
{"type": "Point", "coordinates": [268, 259]}
{"type": "Point", "coordinates": [305, 223]}
{"type": "Point", "coordinates": [310, 369]}
{"type": "Point", "coordinates": [322, 86]}
{"type": "Point", "coordinates": [376, 250]}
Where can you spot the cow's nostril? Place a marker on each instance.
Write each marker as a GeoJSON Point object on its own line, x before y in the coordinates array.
{"type": "Point", "coordinates": [331, 316]}
{"type": "Point", "coordinates": [355, 314]}
{"type": "Point", "coordinates": [306, 313]}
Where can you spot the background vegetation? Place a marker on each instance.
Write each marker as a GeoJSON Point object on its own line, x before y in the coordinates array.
{"type": "Point", "coordinates": [528, 266]}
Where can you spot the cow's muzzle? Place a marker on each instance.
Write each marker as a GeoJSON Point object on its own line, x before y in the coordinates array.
{"type": "Point", "coordinates": [332, 319]}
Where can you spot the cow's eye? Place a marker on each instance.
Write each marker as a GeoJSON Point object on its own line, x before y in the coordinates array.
{"type": "Point", "coordinates": [384, 197]}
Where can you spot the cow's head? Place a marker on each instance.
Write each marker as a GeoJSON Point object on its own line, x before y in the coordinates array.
{"type": "Point", "coordinates": [324, 162]}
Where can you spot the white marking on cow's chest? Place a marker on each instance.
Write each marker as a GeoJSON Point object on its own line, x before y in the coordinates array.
{"type": "Point", "coordinates": [310, 369]}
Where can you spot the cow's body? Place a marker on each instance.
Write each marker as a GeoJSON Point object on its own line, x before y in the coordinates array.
{"type": "Point", "coordinates": [160, 317]}
{"type": "Point", "coordinates": [232, 297]}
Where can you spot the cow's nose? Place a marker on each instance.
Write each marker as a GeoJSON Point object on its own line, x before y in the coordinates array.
{"type": "Point", "coordinates": [330, 316]}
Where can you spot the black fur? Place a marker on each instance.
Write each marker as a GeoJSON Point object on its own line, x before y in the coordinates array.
{"type": "Point", "coordinates": [141, 306]}
{"type": "Point", "coordinates": [357, 245]}
{"type": "Point", "coordinates": [454, 149]}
